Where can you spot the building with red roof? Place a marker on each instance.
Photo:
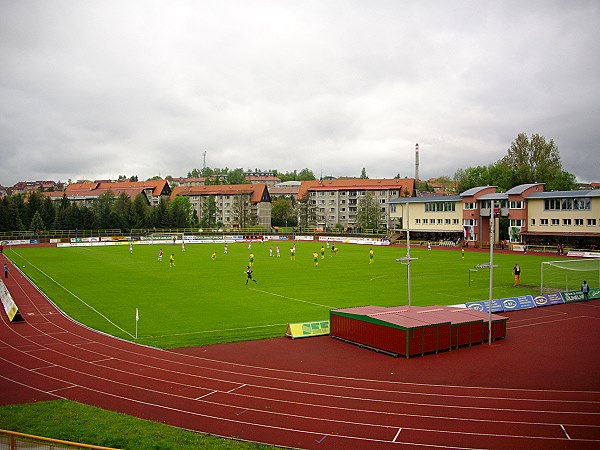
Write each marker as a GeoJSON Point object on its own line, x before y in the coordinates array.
{"type": "Point", "coordinates": [86, 192]}
{"type": "Point", "coordinates": [336, 202]}
{"type": "Point", "coordinates": [237, 205]}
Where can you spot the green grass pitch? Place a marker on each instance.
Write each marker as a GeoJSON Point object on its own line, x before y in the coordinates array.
{"type": "Point", "coordinates": [201, 301]}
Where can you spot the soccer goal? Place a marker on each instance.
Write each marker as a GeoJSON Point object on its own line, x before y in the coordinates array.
{"type": "Point", "coordinates": [567, 275]}
{"type": "Point", "coordinates": [166, 237]}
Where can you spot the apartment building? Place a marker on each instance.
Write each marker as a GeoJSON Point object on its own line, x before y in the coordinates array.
{"type": "Point", "coordinates": [336, 202]}
{"type": "Point", "coordinates": [236, 205]}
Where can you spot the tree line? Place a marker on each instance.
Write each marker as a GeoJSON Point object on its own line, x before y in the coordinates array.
{"type": "Point", "coordinates": [37, 213]}
{"type": "Point", "coordinates": [528, 160]}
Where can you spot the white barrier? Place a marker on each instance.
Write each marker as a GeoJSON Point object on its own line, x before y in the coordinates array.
{"type": "Point", "coordinates": [10, 307]}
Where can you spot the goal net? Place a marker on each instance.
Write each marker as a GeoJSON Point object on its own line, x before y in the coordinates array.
{"type": "Point", "coordinates": [160, 236]}
{"type": "Point", "coordinates": [568, 275]}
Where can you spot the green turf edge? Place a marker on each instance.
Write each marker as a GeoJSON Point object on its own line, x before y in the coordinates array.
{"type": "Point", "coordinates": [76, 422]}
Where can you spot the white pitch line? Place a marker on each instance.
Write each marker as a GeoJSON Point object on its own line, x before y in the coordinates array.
{"type": "Point", "coordinates": [375, 278]}
{"type": "Point", "coordinates": [220, 330]}
{"type": "Point", "coordinates": [77, 297]}
{"type": "Point", "coordinates": [292, 298]}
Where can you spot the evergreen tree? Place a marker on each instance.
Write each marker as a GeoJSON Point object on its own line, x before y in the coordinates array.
{"type": "Point", "coordinates": [102, 207]}
{"type": "Point", "coordinates": [34, 204]}
{"type": "Point", "coordinates": [13, 217]}
{"type": "Point", "coordinates": [138, 212]}
{"type": "Point", "coordinates": [48, 212]}
{"type": "Point", "coordinates": [37, 224]}
{"type": "Point", "coordinates": [119, 212]}
{"type": "Point", "coordinates": [60, 214]}
{"type": "Point", "coordinates": [180, 212]}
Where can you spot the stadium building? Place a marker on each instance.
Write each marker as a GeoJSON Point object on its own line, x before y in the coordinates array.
{"type": "Point", "coordinates": [532, 216]}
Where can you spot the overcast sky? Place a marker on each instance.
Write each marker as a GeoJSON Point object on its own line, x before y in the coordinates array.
{"type": "Point", "coordinates": [95, 89]}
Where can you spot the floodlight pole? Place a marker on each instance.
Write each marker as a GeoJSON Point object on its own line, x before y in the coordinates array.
{"type": "Point", "coordinates": [492, 220]}
{"type": "Point", "coordinates": [408, 248]}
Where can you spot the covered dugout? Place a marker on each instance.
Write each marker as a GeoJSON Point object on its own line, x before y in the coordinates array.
{"type": "Point", "coordinates": [411, 330]}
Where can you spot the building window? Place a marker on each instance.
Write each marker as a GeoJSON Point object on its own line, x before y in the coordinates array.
{"type": "Point", "coordinates": [425, 221]}
{"type": "Point", "coordinates": [578, 222]}
{"type": "Point", "coordinates": [516, 205]}
{"type": "Point", "coordinates": [447, 221]}
{"type": "Point", "coordinates": [543, 221]}
{"type": "Point", "coordinates": [532, 221]}
{"type": "Point", "coordinates": [418, 221]}
{"type": "Point", "coordinates": [555, 221]}
{"type": "Point", "coordinates": [455, 222]}
{"type": "Point", "coordinates": [591, 222]}
{"type": "Point", "coordinates": [470, 205]}
{"type": "Point", "coordinates": [440, 221]}
{"type": "Point", "coordinates": [440, 206]}
{"type": "Point", "coordinates": [567, 222]}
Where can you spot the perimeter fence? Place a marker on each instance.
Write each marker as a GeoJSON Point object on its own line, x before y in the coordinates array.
{"type": "Point", "coordinates": [12, 440]}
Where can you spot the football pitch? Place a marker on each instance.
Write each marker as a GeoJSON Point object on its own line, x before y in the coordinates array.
{"type": "Point", "coordinates": [203, 301]}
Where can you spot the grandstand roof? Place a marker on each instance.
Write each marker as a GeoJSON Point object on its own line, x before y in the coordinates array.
{"type": "Point", "coordinates": [475, 191]}
{"type": "Point", "coordinates": [567, 194]}
{"type": "Point", "coordinates": [517, 190]}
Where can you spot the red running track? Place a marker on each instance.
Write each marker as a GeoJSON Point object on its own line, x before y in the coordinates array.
{"type": "Point", "coordinates": [537, 389]}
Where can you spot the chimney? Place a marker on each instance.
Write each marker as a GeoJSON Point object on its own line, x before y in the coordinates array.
{"type": "Point", "coordinates": [417, 162]}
